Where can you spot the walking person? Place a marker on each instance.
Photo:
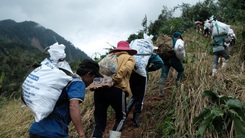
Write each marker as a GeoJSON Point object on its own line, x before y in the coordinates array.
{"type": "Point", "coordinates": [219, 52]}
{"type": "Point", "coordinates": [172, 61]}
{"type": "Point", "coordinates": [138, 84]}
{"type": "Point", "coordinates": [114, 96]}
{"type": "Point", "coordinates": [67, 107]}
{"type": "Point", "coordinates": [207, 28]}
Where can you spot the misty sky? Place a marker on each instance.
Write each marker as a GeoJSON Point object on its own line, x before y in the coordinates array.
{"type": "Point", "coordinates": [88, 24]}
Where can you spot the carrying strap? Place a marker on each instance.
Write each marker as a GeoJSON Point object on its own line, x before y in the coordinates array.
{"type": "Point", "coordinates": [63, 96]}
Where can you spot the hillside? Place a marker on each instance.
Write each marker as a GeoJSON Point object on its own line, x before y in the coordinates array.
{"type": "Point", "coordinates": [33, 34]}
{"type": "Point", "coordinates": [169, 117]}
{"type": "Point", "coordinates": [21, 46]}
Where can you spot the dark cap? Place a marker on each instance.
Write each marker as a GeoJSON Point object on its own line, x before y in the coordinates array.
{"type": "Point", "coordinates": [177, 34]}
{"type": "Point", "coordinates": [91, 65]}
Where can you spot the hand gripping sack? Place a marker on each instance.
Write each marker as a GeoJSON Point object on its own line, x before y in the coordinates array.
{"type": "Point", "coordinates": [144, 50]}
{"type": "Point", "coordinates": [42, 88]}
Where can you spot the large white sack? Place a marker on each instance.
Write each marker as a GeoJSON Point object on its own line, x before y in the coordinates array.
{"type": "Point", "coordinates": [144, 50]}
{"type": "Point", "coordinates": [220, 28]}
{"type": "Point", "coordinates": [42, 88]}
{"type": "Point", "coordinates": [179, 49]}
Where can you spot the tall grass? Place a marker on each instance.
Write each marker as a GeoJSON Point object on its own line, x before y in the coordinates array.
{"type": "Point", "coordinates": [170, 117]}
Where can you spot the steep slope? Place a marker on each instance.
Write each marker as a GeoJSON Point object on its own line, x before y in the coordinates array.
{"type": "Point", "coordinates": [33, 34]}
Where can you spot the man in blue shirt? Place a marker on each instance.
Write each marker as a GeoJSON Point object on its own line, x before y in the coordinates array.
{"type": "Point", "coordinates": [67, 107]}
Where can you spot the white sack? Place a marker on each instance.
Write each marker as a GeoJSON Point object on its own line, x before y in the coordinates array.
{"type": "Point", "coordinates": [144, 50]}
{"type": "Point", "coordinates": [42, 88]}
{"type": "Point", "coordinates": [179, 49]}
{"type": "Point", "coordinates": [220, 28]}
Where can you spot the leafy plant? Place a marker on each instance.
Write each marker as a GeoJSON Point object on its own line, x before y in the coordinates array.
{"type": "Point", "coordinates": [221, 115]}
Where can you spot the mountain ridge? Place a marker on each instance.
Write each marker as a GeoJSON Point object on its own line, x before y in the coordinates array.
{"type": "Point", "coordinates": [34, 34]}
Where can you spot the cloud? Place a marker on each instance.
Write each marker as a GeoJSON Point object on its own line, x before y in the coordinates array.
{"type": "Point", "coordinates": [88, 24]}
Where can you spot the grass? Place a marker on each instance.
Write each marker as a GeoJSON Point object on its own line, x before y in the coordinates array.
{"type": "Point", "coordinates": [171, 117]}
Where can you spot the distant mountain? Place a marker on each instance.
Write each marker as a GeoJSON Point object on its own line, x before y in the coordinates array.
{"type": "Point", "coordinates": [33, 34]}
{"type": "Point", "coordinates": [21, 49]}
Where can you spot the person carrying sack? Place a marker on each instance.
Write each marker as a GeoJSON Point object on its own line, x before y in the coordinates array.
{"type": "Point", "coordinates": [114, 96]}
{"type": "Point", "coordinates": [172, 61]}
{"type": "Point", "coordinates": [139, 79]}
{"type": "Point", "coordinates": [67, 106]}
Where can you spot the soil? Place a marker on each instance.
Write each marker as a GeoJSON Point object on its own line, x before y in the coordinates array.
{"type": "Point", "coordinates": [151, 100]}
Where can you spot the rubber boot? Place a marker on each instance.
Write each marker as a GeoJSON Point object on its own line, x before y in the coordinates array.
{"type": "Point", "coordinates": [136, 120]}
{"type": "Point", "coordinates": [114, 134]}
{"type": "Point", "coordinates": [214, 72]}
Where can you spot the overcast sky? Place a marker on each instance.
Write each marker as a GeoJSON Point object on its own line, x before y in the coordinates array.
{"type": "Point", "coordinates": [88, 24]}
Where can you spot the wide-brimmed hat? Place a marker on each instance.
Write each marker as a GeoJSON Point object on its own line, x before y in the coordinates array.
{"type": "Point", "coordinates": [90, 65]}
{"type": "Point", "coordinates": [124, 46]}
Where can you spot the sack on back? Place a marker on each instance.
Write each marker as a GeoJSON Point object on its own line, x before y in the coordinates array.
{"type": "Point", "coordinates": [144, 50]}
{"type": "Point", "coordinates": [220, 28]}
{"type": "Point", "coordinates": [165, 46]}
{"type": "Point", "coordinates": [179, 49]}
{"type": "Point", "coordinates": [42, 87]}
{"type": "Point", "coordinates": [108, 68]}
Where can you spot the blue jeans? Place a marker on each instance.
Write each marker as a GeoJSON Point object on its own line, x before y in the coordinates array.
{"type": "Point", "coordinates": [217, 55]}
{"type": "Point", "coordinates": [175, 63]}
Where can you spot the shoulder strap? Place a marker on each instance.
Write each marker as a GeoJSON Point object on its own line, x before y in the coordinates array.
{"type": "Point", "coordinates": [63, 97]}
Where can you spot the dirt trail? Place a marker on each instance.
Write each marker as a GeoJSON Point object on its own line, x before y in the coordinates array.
{"type": "Point", "coordinates": [151, 101]}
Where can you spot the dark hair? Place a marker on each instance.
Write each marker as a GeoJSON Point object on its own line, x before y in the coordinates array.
{"type": "Point", "coordinates": [88, 66]}
{"type": "Point", "coordinates": [82, 71]}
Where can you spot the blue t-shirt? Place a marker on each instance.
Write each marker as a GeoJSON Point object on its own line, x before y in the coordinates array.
{"type": "Point", "coordinates": [56, 124]}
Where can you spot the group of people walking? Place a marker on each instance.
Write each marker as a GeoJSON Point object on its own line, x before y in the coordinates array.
{"type": "Point", "coordinates": [126, 82]}
{"type": "Point", "coordinates": [222, 43]}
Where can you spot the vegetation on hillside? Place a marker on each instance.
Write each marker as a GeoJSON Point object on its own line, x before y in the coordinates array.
{"type": "Point", "coordinates": [204, 106]}
{"type": "Point", "coordinates": [21, 46]}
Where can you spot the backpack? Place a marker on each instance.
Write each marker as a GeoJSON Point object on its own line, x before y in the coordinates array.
{"type": "Point", "coordinates": [144, 50]}
{"type": "Point", "coordinates": [165, 46]}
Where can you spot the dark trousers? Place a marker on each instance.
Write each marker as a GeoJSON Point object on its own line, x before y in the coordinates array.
{"type": "Point", "coordinates": [138, 88]}
{"type": "Point", "coordinates": [103, 98]}
{"type": "Point", "coordinates": [217, 55]}
{"type": "Point", "coordinates": [175, 63]}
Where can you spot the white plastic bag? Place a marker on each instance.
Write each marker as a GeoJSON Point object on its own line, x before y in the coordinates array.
{"type": "Point", "coordinates": [179, 49]}
{"type": "Point", "coordinates": [42, 88]}
{"type": "Point", "coordinates": [57, 52]}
